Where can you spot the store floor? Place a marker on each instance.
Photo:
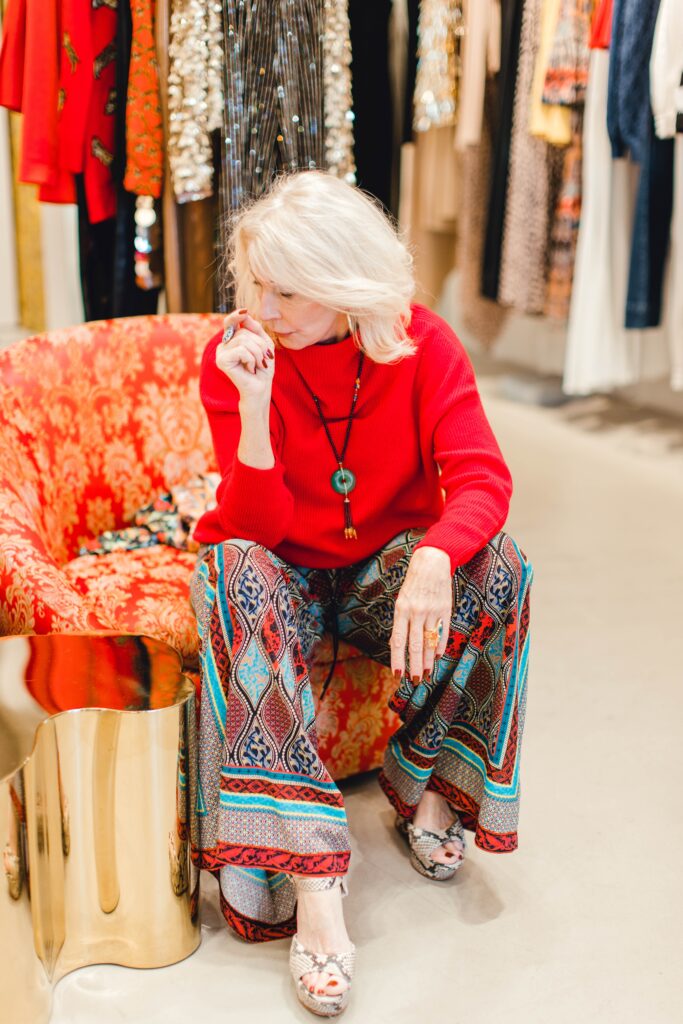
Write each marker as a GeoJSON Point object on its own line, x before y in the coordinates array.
{"type": "Point", "coordinates": [583, 923]}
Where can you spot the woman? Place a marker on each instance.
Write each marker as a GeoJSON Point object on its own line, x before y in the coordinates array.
{"type": "Point", "coordinates": [341, 415]}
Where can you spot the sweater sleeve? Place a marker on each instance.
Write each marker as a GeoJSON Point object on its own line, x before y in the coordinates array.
{"type": "Point", "coordinates": [474, 475]}
{"type": "Point", "coordinates": [666, 67]}
{"type": "Point", "coordinates": [254, 504]}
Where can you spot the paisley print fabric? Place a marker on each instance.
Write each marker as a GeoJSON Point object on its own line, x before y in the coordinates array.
{"type": "Point", "coordinates": [267, 805]}
{"type": "Point", "coordinates": [94, 421]}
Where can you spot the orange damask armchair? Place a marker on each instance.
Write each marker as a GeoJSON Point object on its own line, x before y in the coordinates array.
{"type": "Point", "coordinates": [95, 421]}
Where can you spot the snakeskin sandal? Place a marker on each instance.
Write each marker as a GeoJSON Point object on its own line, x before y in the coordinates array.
{"type": "Point", "coordinates": [302, 961]}
{"type": "Point", "coordinates": [422, 843]}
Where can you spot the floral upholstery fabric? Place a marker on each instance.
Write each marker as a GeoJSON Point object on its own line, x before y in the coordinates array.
{"type": "Point", "coordinates": [94, 421]}
{"type": "Point", "coordinates": [143, 591]}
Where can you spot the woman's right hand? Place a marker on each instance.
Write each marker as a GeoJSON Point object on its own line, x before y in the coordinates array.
{"type": "Point", "coordinates": [248, 358]}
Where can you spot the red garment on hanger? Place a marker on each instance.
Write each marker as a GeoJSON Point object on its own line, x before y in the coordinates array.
{"type": "Point", "coordinates": [28, 83]}
{"type": "Point", "coordinates": [601, 31]}
{"type": "Point", "coordinates": [57, 66]}
{"type": "Point", "coordinates": [144, 131]}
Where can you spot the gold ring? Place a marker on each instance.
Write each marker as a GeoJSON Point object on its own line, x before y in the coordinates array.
{"type": "Point", "coordinates": [432, 638]}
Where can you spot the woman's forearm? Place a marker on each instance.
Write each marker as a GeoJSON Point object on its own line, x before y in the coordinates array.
{"type": "Point", "coordinates": [255, 448]}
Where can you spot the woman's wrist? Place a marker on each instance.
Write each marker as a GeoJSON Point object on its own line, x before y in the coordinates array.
{"type": "Point", "coordinates": [254, 407]}
{"type": "Point", "coordinates": [255, 448]}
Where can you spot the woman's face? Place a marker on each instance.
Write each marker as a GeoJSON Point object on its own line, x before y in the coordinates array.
{"type": "Point", "coordinates": [294, 321]}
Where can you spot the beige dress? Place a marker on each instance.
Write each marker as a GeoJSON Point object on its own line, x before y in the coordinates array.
{"type": "Point", "coordinates": [535, 169]}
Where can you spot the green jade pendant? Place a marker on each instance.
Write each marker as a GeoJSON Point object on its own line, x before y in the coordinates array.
{"type": "Point", "coordinates": [343, 481]}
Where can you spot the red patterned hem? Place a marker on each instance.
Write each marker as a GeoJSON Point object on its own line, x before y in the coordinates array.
{"type": "Point", "coordinates": [256, 931]}
{"type": "Point", "coordinates": [317, 865]}
{"type": "Point", "coordinates": [468, 811]}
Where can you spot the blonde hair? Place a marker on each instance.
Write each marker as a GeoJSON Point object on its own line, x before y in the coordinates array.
{"type": "Point", "coordinates": [316, 236]}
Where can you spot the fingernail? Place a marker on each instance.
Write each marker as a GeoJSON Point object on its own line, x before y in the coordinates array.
{"type": "Point", "coordinates": [264, 364]}
{"type": "Point", "coordinates": [416, 680]}
{"type": "Point", "coordinates": [397, 673]}
{"type": "Point", "coordinates": [271, 354]}
{"type": "Point", "coordinates": [243, 310]}
{"type": "Point", "coordinates": [426, 677]}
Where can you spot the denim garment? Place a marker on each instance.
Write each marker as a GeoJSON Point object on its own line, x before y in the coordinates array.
{"type": "Point", "coordinates": [651, 228]}
{"type": "Point", "coordinates": [628, 89]}
{"type": "Point", "coordinates": [631, 130]}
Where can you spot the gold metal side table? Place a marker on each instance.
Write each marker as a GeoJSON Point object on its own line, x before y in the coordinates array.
{"type": "Point", "coordinates": [95, 821]}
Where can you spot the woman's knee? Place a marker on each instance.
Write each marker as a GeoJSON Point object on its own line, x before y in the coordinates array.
{"type": "Point", "coordinates": [238, 550]}
{"type": "Point", "coordinates": [508, 570]}
{"type": "Point", "coordinates": [496, 572]}
{"type": "Point", "coordinates": [255, 572]}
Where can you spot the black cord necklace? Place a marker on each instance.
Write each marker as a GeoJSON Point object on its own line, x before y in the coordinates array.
{"type": "Point", "coordinates": [343, 481]}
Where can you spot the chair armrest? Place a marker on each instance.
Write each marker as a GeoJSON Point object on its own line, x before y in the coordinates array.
{"type": "Point", "coordinates": [35, 595]}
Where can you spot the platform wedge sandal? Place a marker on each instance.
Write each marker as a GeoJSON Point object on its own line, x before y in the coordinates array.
{"type": "Point", "coordinates": [304, 961]}
{"type": "Point", "coordinates": [422, 842]}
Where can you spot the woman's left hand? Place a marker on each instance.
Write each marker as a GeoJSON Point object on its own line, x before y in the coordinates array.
{"type": "Point", "coordinates": [425, 598]}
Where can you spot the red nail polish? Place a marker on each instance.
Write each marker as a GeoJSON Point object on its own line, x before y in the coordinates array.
{"type": "Point", "coordinates": [416, 680]}
{"type": "Point", "coordinates": [397, 673]}
{"type": "Point", "coordinates": [242, 311]}
{"type": "Point", "coordinates": [264, 364]}
{"type": "Point", "coordinates": [271, 354]}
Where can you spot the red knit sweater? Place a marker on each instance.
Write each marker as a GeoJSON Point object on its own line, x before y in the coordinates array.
{"type": "Point", "coordinates": [412, 419]}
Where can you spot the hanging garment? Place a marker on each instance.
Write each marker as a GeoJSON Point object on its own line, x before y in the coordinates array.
{"type": "Point", "coordinates": [666, 83]}
{"type": "Point", "coordinates": [601, 29]}
{"type": "Point", "coordinates": [482, 318]}
{"type": "Point", "coordinates": [337, 102]}
{"type": "Point", "coordinates": [511, 26]}
{"type": "Point", "coordinates": [628, 96]}
{"type": "Point", "coordinates": [87, 102]}
{"type": "Point", "coordinates": [532, 188]}
{"type": "Point", "coordinates": [57, 66]}
{"type": "Point", "coordinates": [195, 92]}
{"type": "Point", "coordinates": [259, 621]}
{"type": "Point", "coordinates": [601, 354]}
{"type": "Point", "coordinates": [567, 73]}
{"type": "Point", "coordinates": [144, 133]}
{"type": "Point", "coordinates": [631, 129]}
{"type": "Point", "coordinates": [651, 233]}
{"type": "Point", "coordinates": [565, 229]}
{"type": "Point", "coordinates": [402, 71]}
{"type": "Point", "coordinates": [128, 298]}
{"type": "Point", "coordinates": [372, 103]}
{"type": "Point", "coordinates": [565, 84]}
{"type": "Point", "coordinates": [188, 228]}
{"type": "Point", "coordinates": [437, 83]}
{"type": "Point", "coordinates": [481, 53]}
{"type": "Point", "coordinates": [29, 83]}
{"type": "Point", "coordinates": [288, 69]}
{"type": "Point", "coordinates": [666, 68]}
{"type": "Point", "coordinates": [547, 121]}
{"type": "Point", "coordinates": [431, 196]}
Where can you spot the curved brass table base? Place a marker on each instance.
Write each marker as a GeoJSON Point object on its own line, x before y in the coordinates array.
{"type": "Point", "coordinates": [94, 811]}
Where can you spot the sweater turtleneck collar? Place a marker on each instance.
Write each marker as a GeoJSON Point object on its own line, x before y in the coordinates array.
{"type": "Point", "coordinates": [332, 341]}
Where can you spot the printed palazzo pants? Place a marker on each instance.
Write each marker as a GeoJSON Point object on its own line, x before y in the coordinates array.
{"type": "Point", "coordinates": [266, 805]}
